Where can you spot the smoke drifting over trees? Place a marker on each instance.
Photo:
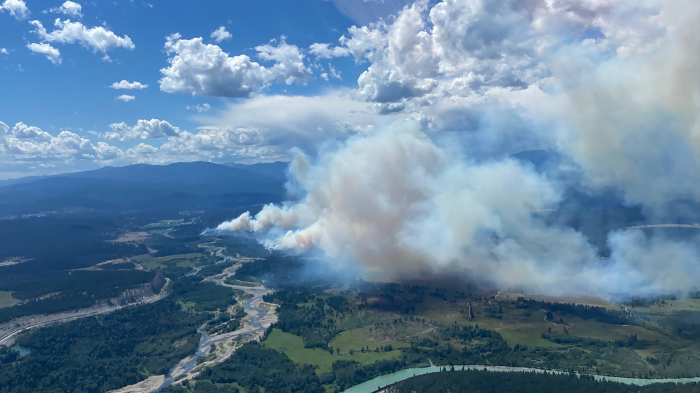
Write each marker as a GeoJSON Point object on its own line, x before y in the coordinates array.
{"type": "Point", "coordinates": [613, 87]}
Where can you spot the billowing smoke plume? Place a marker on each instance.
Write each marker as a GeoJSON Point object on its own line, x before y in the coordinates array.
{"type": "Point", "coordinates": [612, 86]}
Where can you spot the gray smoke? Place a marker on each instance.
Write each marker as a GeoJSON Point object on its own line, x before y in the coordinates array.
{"type": "Point", "coordinates": [411, 199]}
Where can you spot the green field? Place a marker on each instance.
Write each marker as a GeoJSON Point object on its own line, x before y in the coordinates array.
{"type": "Point", "coordinates": [151, 263]}
{"type": "Point", "coordinates": [240, 283]}
{"type": "Point", "coordinates": [6, 299]}
{"type": "Point", "coordinates": [164, 224]}
{"type": "Point", "coordinates": [293, 347]}
{"type": "Point", "coordinates": [355, 339]}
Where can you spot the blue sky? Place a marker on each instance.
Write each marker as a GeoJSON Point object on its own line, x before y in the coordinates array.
{"type": "Point", "coordinates": [60, 60]}
{"type": "Point", "coordinates": [280, 77]}
{"type": "Point", "coordinates": [74, 95]}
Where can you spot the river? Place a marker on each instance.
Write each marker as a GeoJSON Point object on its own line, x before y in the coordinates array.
{"type": "Point", "coordinates": [258, 320]}
{"type": "Point", "coordinates": [389, 379]}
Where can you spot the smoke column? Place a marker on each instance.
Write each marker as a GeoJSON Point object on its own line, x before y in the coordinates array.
{"type": "Point", "coordinates": [433, 195]}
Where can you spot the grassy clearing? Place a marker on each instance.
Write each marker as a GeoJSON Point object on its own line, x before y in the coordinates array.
{"type": "Point", "coordinates": [293, 347]}
{"type": "Point", "coordinates": [153, 265]}
{"type": "Point", "coordinates": [669, 307]}
{"type": "Point", "coordinates": [525, 327]}
{"type": "Point", "coordinates": [240, 283]}
{"type": "Point", "coordinates": [611, 333]}
{"type": "Point", "coordinates": [187, 263]}
{"type": "Point", "coordinates": [184, 260]}
{"type": "Point", "coordinates": [528, 336]}
{"type": "Point", "coordinates": [163, 224]}
{"type": "Point", "coordinates": [355, 339]}
{"type": "Point", "coordinates": [187, 305]}
{"type": "Point", "coordinates": [6, 299]}
{"type": "Point", "coordinates": [589, 300]}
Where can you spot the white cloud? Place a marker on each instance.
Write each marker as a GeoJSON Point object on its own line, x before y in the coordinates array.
{"type": "Point", "coordinates": [200, 108]}
{"type": "Point", "coordinates": [245, 132]}
{"type": "Point", "coordinates": [323, 51]}
{"type": "Point", "coordinates": [289, 64]}
{"type": "Point", "coordinates": [30, 146]}
{"type": "Point", "coordinates": [144, 129]}
{"type": "Point", "coordinates": [16, 8]}
{"type": "Point", "coordinates": [126, 85]}
{"type": "Point", "coordinates": [221, 34]}
{"type": "Point", "coordinates": [334, 72]}
{"type": "Point", "coordinates": [106, 58]}
{"type": "Point", "coordinates": [51, 53]}
{"type": "Point", "coordinates": [298, 121]}
{"type": "Point", "coordinates": [324, 76]}
{"type": "Point", "coordinates": [69, 8]}
{"type": "Point", "coordinates": [204, 69]}
{"type": "Point", "coordinates": [125, 98]}
{"type": "Point", "coordinates": [23, 131]}
{"type": "Point", "coordinates": [4, 51]}
{"type": "Point", "coordinates": [99, 38]}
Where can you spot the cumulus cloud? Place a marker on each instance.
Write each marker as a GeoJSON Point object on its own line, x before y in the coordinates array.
{"type": "Point", "coordinates": [324, 51]}
{"type": "Point", "coordinates": [23, 131]}
{"type": "Point", "coordinates": [30, 145]}
{"type": "Point", "coordinates": [289, 64]}
{"type": "Point", "coordinates": [4, 51]}
{"type": "Point", "coordinates": [51, 53]}
{"type": "Point", "coordinates": [512, 76]}
{"type": "Point", "coordinates": [126, 85]}
{"type": "Point", "coordinates": [98, 39]}
{"type": "Point", "coordinates": [487, 43]}
{"type": "Point", "coordinates": [69, 8]}
{"type": "Point", "coordinates": [143, 129]}
{"type": "Point", "coordinates": [125, 98]}
{"type": "Point", "coordinates": [206, 70]}
{"type": "Point", "coordinates": [221, 34]}
{"type": "Point", "coordinates": [16, 8]}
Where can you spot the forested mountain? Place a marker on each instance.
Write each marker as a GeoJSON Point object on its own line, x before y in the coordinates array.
{"type": "Point", "coordinates": [168, 188]}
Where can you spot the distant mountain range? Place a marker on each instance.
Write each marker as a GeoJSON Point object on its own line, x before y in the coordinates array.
{"type": "Point", "coordinates": [168, 188]}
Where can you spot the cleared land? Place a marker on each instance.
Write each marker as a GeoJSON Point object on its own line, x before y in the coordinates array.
{"type": "Point", "coordinates": [293, 347]}
{"type": "Point", "coordinates": [6, 299]}
{"type": "Point", "coordinates": [155, 263]}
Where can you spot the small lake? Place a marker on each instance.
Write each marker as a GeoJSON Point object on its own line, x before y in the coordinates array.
{"type": "Point", "coordinates": [390, 379]}
{"type": "Point", "coordinates": [22, 351]}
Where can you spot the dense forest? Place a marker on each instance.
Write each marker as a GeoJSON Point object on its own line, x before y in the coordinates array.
{"type": "Point", "coordinates": [582, 311]}
{"type": "Point", "coordinates": [80, 289]}
{"type": "Point", "coordinates": [98, 354]}
{"type": "Point", "coordinates": [255, 369]}
{"type": "Point", "coordinates": [205, 296]}
{"type": "Point", "coordinates": [313, 321]}
{"type": "Point", "coordinates": [274, 269]}
{"type": "Point", "coordinates": [489, 382]}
